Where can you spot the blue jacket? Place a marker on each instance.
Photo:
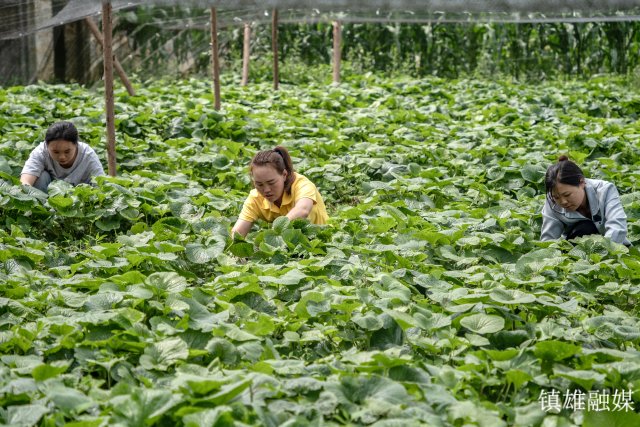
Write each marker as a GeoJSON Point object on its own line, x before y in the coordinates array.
{"type": "Point", "coordinates": [606, 210]}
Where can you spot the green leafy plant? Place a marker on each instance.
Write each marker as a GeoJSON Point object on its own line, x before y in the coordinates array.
{"type": "Point", "coordinates": [426, 300]}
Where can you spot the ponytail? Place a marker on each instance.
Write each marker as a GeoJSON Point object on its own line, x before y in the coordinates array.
{"type": "Point", "coordinates": [280, 160]}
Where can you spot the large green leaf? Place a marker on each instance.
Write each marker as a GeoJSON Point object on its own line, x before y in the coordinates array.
{"type": "Point", "coordinates": [24, 415]}
{"type": "Point", "coordinates": [46, 371]}
{"type": "Point", "coordinates": [142, 406]}
{"type": "Point", "coordinates": [169, 282]}
{"type": "Point", "coordinates": [200, 254]}
{"type": "Point", "coordinates": [538, 260]}
{"type": "Point", "coordinates": [353, 391]}
{"type": "Point", "coordinates": [241, 249]}
{"type": "Point", "coordinates": [70, 400]}
{"type": "Point", "coordinates": [555, 350]}
{"type": "Point", "coordinates": [511, 296]}
{"type": "Point", "coordinates": [533, 172]}
{"type": "Point", "coordinates": [483, 323]}
{"type": "Point", "coordinates": [291, 277]}
{"type": "Point", "coordinates": [369, 321]}
{"type": "Point", "coordinates": [229, 392]}
{"type": "Point", "coordinates": [163, 354]}
{"type": "Point", "coordinates": [280, 224]}
{"type": "Point", "coordinates": [584, 378]}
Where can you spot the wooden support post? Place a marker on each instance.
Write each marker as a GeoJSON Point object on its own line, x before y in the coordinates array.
{"type": "Point", "coordinates": [108, 86]}
{"type": "Point", "coordinates": [246, 51]}
{"type": "Point", "coordinates": [215, 61]}
{"type": "Point", "coordinates": [274, 46]}
{"type": "Point", "coordinates": [337, 50]}
{"type": "Point", "coordinates": [98, 36]}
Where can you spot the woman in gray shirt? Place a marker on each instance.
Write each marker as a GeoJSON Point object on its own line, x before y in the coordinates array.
{"type": "Point", "coordinates": [577, 206]}
{"type": "Point", "coordinates": [61, 156]}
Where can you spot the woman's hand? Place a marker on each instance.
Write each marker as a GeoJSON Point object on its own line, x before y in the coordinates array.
{"type": "Point", "coordinates": [242, 227]}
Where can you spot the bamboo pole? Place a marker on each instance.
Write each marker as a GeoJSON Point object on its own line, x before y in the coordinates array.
{"type": "Point", "coordinates": [337, 50]}
{"type": "Point", "coordinates": [107, 51]}
{"type": "Point", "coordinates": [274, 46]}
{"type": "Point", "coordinates": [215, 60]}
{"type": "Point", "coordinates": [245, 53]}
{"type": "Point", "coordinates": [98, 36]}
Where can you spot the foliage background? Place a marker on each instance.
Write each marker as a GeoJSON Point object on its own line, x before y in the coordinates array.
{"type": "Point", "coordinates": [177, 40]}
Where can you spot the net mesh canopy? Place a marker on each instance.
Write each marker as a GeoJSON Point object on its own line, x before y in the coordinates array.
{"type": "Point", "coordinates": [21, 18]}
{"type": "Point", "coordinates": [47, 40]}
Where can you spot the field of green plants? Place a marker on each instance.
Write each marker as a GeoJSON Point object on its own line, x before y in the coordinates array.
{"type": "Point", "coordinates": [427, 299]}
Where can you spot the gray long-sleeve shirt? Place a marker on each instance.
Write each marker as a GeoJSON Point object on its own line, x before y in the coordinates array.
{"type": "Point", "coordinates": [86, 165]}
{"type": "Point", "coordinates": [606, 210]}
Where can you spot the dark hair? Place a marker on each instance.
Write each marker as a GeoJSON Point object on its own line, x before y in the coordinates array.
{"type": "Point", "coordinates": [280, 160]}
{"type": "Point", "coordinates": [563, 172]}
{"type": "Point", "coordinates": [62, 130]}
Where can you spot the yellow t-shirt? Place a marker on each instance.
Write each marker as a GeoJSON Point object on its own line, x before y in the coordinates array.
{"type": "Point", "coordinates": [257, 207]}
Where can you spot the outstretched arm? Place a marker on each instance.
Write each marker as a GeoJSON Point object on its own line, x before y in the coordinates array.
{"type": "Point", "coordinates": [27, 179]}
{"type": "Point", "coordinates": [302, 209]}
{"type": "Point", "coordinates": [242, 227]}
{"type": "Point", "coordinates": [33, 167]}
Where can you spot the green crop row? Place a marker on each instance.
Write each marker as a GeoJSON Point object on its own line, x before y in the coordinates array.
{"type": "Point", "coordinates": [426, 300]}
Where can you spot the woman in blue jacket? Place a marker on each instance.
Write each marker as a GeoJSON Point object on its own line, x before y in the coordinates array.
{"type": "Point", "coordinates": [577, 206]}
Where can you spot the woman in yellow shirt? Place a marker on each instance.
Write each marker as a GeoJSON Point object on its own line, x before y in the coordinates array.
{"type": "Point", "coordinates": [279, 191]}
